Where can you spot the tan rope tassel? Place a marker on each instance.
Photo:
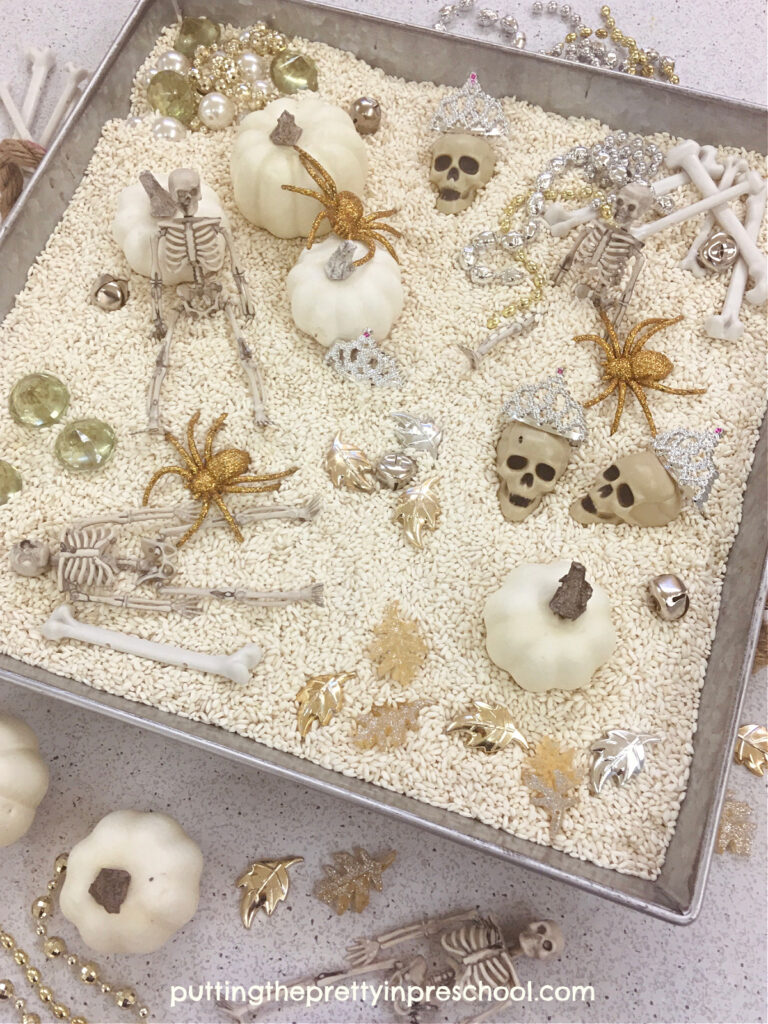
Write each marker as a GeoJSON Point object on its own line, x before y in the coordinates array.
{"type": "Point", "coordinates": [16, 156]}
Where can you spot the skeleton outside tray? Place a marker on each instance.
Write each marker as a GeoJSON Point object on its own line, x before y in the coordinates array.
{"type": "Point", "coordinates": [473, 952]}
{"type": "Point", "coordinates": [192, 242]}
{"type": "Point", "coordinates": [87, 567]}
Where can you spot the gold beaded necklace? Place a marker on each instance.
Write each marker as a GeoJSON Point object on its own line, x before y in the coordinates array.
{"type": "Point", "coordinates": [54, 948]}
{"type": "Point", "coordinates": [639, 61]}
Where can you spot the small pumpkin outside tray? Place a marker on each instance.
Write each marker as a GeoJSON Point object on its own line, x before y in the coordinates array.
{"type": "Point", "coordinates": [23, 778]}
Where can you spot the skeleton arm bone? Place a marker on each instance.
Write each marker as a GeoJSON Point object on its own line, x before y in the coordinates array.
{"type": "Point", "coordinates": [247, 308]}
{"type": "Point", "coordinates": [626, 295]}
{"type": "Point", "coordinates": [364, 951]}
{"type": "Point", "coordinates": [565, 266]}
{"type": "Point", "coordinates": [157, 288]}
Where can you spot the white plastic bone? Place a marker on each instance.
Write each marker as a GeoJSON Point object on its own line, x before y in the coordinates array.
{"type": "Point", "coordinates": [75, 76]}
{"type": "Point", "coordinates": [687, 156]}
{"type": "Point", "coordinates": [726, 325]}
{"type": "Point", "coordinates": [716, 202]}
{"type": "Point", "coordinates": [62, 625]}
{"type": "Point", "coordinates": [561, 220]}
{"type": "Point", "coordinates": [690, 261]}
{"type": "Point", "coordinates": [13, 111]}
{"type": "Point", "coordinates": [42, 61]}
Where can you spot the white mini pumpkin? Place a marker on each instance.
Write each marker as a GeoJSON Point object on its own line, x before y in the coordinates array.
{"type": "Point", "coordinates": [260, 167]}
{"type": "Point", "coordinates": [134, 226]}
{"type": "Point", "coordinates": [23, 778]}
{"type": "Point", "coordinates": [371, 297]}
{"type": "Point", "coordinates": [132, 882]}
{"type": "Point", "coordinates": [540, 650]}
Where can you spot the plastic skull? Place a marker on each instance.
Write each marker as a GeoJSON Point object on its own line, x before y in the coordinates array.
{"type": "Point", "coordinates": [632, 202]}
{"type": "Point", "coordinates": [635, 489]}
{"type": "Point", "coordinates": [30, 557]}
{"type": "Point", "coordinates": [529, 461]}
{"type": "Point", "coordinates": [541, 940]}
{"type": "Point", "coordinates": [184, 186]}
{"type": "Point", "coordinates": [460, 165]}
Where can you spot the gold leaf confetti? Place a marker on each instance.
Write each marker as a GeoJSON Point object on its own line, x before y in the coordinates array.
{"type": "Point", "coordinates": [348, 466]}
{"type": "Point", "coordinates": [386, 726]}
{"type": "Point", "coordinates": [752, 748]}
{"type": "Point", "coordinates": [266, 884]}
{"type": "Point", "coordinates": [487, 727]}
{"type": "Point", "coordinates": [418, 509]}
{"type": "Point", "coordinates": [350, 878]}
{"type": "Point", "coordinates": [399, 649]}
{"type": "Point", "coordinates": [736, 829]}
{"type": "Point", "coordinates": [551, 776]}
{"type": "Point", "coordinates": [320, 699]}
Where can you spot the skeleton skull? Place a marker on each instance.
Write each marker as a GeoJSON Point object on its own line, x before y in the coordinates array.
{"type": "Point", "coordinates": [184, 186]}
{"type": "Point", "coordinates": [460, 165]}
{"type": "Point", "coordinates": [632, 203]}
{"type": "Point", "coordinates": [635, 489]}
{"type": "Point", "coordinates": [30, 557]}
{"type": "Point", "coordinates": [541, 940]}
{"type": "Point", "coordinates": [529, 461]}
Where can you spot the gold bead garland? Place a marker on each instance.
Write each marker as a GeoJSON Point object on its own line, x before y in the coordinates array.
{"type": "Point", "coordinates": [55, 948]}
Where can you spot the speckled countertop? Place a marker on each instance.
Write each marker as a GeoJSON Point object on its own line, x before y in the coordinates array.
{"type": "Point", "coordinates": [642, 970]}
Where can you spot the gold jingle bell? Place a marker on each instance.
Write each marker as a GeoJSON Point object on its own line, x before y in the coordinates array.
{"type": "Point", "coordinates": [366, 115]}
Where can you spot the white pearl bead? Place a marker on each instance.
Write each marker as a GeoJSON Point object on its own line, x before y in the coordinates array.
{"type": "Point", "coordinates": [173, 61]}
{"type": "Point", "coordinates": [168, 128]}
{"type": "Point", "coordinates": [251, 66]}
{"type": "Point", "coordinates": [216, 110]}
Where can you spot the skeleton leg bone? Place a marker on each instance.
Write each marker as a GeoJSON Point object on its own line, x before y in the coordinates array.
{"type": "Point", "coordinates": [251, 368]}
{"type": "Point", "coordinates": [62, 625]}
{"type": "Point", "coordinates": [511, 329]}
{"type": "Point", "coordinates": [304, 513]}
{"type": "Point", "coordinates": [311, 594]}
{"type": "Point", "coordinates": [161, 369]}
{"type": "Point", "coordinates": [186, 607]}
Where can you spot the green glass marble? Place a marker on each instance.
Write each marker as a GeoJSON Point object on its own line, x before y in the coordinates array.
{"type": "Point", "coordinates": [10, 481]}
{"type": "Point", "coordinates": [195, 32]}
{"type": "Point", "coordinates": [38, 400]}
{"type": "Point", "coordinates": [292, 72]}
{"type": "Point", "coordinates": [170, 94]}
{"type": "Point", "coordinates": [85, 445]}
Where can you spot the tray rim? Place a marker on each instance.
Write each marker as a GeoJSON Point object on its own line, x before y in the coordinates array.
{"type": "Point", "coordinates": [657, 897]}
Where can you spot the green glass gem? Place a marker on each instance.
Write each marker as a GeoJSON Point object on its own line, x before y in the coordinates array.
{"type": "Point", "coordinates": [38, 400]}
{"type": "Point", "coordinates": [85, 444]}
{"type": "Point", "coordinates": [292, 72]}
{"type": "Point", "coordinates": [196, 32]}
{"type": "Point", "coordinates": [10, 481]}
{"type": "Point", "coordinates": [170, 94]}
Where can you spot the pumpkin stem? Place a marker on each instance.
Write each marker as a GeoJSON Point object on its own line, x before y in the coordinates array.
{"type": "Point", "coordinates": [571, 597]}
{"type": "Point", "coordinates": [109, 888]}
{"type": "Point", "coordinates": [341, 262]}
{"type": "Point", "coordinates": [286, 132]}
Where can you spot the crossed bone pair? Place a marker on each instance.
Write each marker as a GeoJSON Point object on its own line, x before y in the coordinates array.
{"type": "Point", "coordinates": [42, 62]}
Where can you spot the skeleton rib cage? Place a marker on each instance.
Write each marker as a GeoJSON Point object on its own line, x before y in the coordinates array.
{"type": "Point", "coordinates": [196, 242]}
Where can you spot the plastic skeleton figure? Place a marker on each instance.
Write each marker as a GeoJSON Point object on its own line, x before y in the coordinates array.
{"type": "Point", "coordinates": [87, 565]}
{"type": "Point", "coordinates": [473, 952]}
{"type": "Point", "coordinates": [604, 255]}
{"type": "Point", "coordinates": [194, 242]}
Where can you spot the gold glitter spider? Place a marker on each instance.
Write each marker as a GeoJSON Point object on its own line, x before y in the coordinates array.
{"type": "Point", "coordinates": [213, 474]}
{"type": "Point", "coordinates": [344, 211]}
{"type": "Point", "coordinates": [631, 367]}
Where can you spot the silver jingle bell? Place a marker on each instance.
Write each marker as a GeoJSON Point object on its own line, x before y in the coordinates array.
{"type": "Point", "coordinates": [109, 292]}
{"type": "Point", "coordinates": [395, 470]}
{"type": "Point", "coordinates": [366, 115]}
{"type": "Point", "coordinates": [670, 595]}
{"type": "Point", "coordinates": [719, 252]}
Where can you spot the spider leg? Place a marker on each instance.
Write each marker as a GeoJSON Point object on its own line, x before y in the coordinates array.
{"type": "Point", "coordinates": [619, 406]}
{"type": "Point", "coordinates": [266, 476]}
{"type": "Point", "coordinates": [676, 391]}
{"type": "Point", "coordinates": [378, 215]}
{"type": "Point", "coordinates": [384, 242]}
{"type": "Point", "coordinates": [317, 173]}
{"type": "Point", "coordinates": [640, 396]}
{"type": "Point", "coordinates": [611, 331]}
{"type": "Point", "coordinates": [371, 243]}
{"type": "Point", "coordinates": [176, 470]}
{"type": "Point", "coordinates": [197, 523]}
{"type": "Point", "coordinates": [603, 394]}
{"type": "Point", "coordinates": [315, 225]}
{"type": "Point", "coordinates": [191, 444]}
{"type": "Point", "coordinates": [185, 455]}
{"type": "Point", "coordinates": [598, 341]}
{"type": "Point", "coordinates": [385, 227]}
{"type": "Point", "coordinates": [217, 425]}
{"type": "Point", "coordinates": [228, 516]}
{"type": "Point", "coordinates": [655, 325]}
{"type": "Point", "coordinates": [264, 489]}
{"type": "Point", "coordinates": [306, 192]}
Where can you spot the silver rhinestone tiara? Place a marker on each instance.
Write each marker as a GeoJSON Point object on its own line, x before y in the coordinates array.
{"type": "Point", "coordinates": [548, 405]}
{"type": "Point", "coordinates": [470, 110]}
{"type": "Point", "coordinates": [363, 361]}
{"type": "Point", "coordinates": [687, 455]}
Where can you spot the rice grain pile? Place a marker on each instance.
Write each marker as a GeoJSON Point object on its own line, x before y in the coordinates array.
{"type": "Point", "coordinates": [652, 682]}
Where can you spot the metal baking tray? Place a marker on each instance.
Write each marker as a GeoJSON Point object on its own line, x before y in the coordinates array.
{"type": "Point", "coordinates": [569, 89]}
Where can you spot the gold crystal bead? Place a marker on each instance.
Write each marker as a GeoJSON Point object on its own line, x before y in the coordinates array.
{"type": "Point", "coordinates": [60, 1012]}
{"type": "Point", "coordinates": [171, 95]}
{"type": "Point", "coordinates": [6, 989]}
{"type": "Point", "coordinates": [21, 958]}
{"type": "Point", "coordinates": [44, 994]}
{"type": "Point", "coordinates": [78, 1020]}
{"type": "Point", "coordinates": [106, 989]}
{"type": "Point", "coordinates": [38, 400]}
{"type": "Point", "coordinates": [41, 930]}
{"type": "Point", "coordinates": [33, 975]}
{"type": "Point", "coordinates": [293, 72]}
{"type": "Point", "coordinates": [72, 960]}
{"type": "Point", "coordinates": [42, 907]}
{"type": "Point", "coordinates": [194, 32]}
{"type": "Point", "coordinates": [125, 998]}
{"type": "Point", "coordinates": [89, 973]}
{"type": "Point", "coordinates": [54, 947]}
{"type": "Point", "coordinates": [31, 1018]}
{"type": "Point", "coordinates": [60, 864]}
{"type": "Point", "coordinates": [7, 941]}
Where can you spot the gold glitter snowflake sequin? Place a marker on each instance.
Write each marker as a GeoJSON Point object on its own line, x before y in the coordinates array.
{"type": "Point", "coordinates": [737, 829]}
{"type": "Point", "coordinates": [349, 880]}
{"type": "Point", "coordinates": [552, 777]}
{"type": "Point", "coordinates": [386, 726]}
{"type": "Point", "coordinates": [399, 649]}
